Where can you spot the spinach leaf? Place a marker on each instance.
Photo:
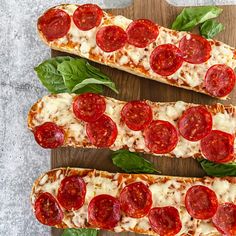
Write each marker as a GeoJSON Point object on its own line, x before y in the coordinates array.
{"type": "Point", "coordinates": [192, 16]}
{"type": "Point", "coordinates": [80, 232]}
{"type": "Point", "coordinates": [218, 170]}
{"type": "Point", "coordinates": [132, 162]}
{"type": "Point", "coordinates": [210, 28]}
{"type": "Point", "coordinates": [50, 77]}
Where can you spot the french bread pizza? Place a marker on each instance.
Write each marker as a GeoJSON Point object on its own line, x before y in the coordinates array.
{"type": "Point", "coordinates": [140, 203]}
{"type": "Point", "coordinates": [141, 47]}
{"type": "Point", "coordinates": [175, 129]}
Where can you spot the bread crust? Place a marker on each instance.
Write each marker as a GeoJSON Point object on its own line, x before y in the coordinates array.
{"type": "Point", "coordinates": [112, 59]}
{"type": "Point", "coordinates": [43, 111]}
{"type": "Point", "coordinates": [178, 184]}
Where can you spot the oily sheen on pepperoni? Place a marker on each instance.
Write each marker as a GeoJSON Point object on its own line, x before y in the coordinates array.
{"type": "Point", "coordinates": [89, 106]}
{"type": "Point", "coordinates": [54, 24]}
{"type": "Point", "coordinates": [111, 38]}
{"type": "Point", "coordinates": [71, 193]}
{"type": "Point", "coordinates": [219, 80]}
{"type": "Point", "coordinates": [161, 137]}
{"type": "Point", "coordinates": [142, 32]}
{"type": "Point", "coordinates": [102, 132]}
{"type": "Point", "coordinates": [47, 210]}
{"type": "Point", "coordinates": [104, 212]}
{"type": "Point", "coordinates": [137, 115]}
{"type": "Point", "coordinates": [225, 219]}
{"type": "Point", "coordinates": [87, 16]}
{"type": "Point", "coordinates": [165, 221]}
{"type": "Point", "coordinates": [201, 202]}
{"type": "Point", "coordinates": [166, 59]}
{"type": "Point", "coordinates": [136, 200]}
{"type": "Point", "coordinates": [195, 123]}
{"type": "Point", "coordinates": [218, 146]}
{"type": "Point", "coordinates": [195, 49]}
{"type": "Point", "coordinates": [49, 135]}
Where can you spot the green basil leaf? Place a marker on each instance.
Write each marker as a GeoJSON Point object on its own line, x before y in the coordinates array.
{"type": "Point", "coordinates": [92, 81]}
{"type": "Point", "coordinates": [210, 28]}
{"type": "Point", "coordinates": [132, 163]}
{"type": "Point", "coordinates": [192, 16]}
{"type": "Point", "coordinates": [80, 232]}
{"type": "Point", "coordinates": [50, 77]}
{"type": "Point", "coordinates": [77, 75]}
{"type": "Point", "coordinates": [73, 72]}
{"type": "Point", "coordinates": [218, 170]}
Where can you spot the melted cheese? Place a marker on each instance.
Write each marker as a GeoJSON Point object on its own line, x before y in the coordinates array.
{"type": "Point", "coordinates": [169, 192]}
{"type": "Point", "coordinates": [190, 75]}
{"type": "Point", "coordinates": [58, 109]}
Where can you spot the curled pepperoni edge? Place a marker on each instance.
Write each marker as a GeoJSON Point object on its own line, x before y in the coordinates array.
{"type": "Point", "coordinates": [42, 25]}
{"type": "Point", "coordinates": [126, 119]}
{"type": "Point", "coordinates": [165, 48]}
{"type": "Point", "coordinates": [172, 212]}
{"type": "Point", "coordinates": [77, 16]}
{"type": "Point", "coordinates": [38, 210]}
{"type": "Point", "coordinates": [62, 193]}
{"type": "Point", "coordinates": [207, 47]}
{"type": "Point", "coordinates": [110, 140]}
{"type": "Point", "coordinates": [114, 218]}
{"type": "Point", "coordinates": [210, 212]}
{"type": "Point", "coordinates": [102, 34]}
{"type": "Point", "coordinates": [49, 126]}
{"type": "Point", "coordinates": [211, 89]}
{"type": "Point", "coordinates": [184, 116]}
{"type": "Point", "coordinates": [217, 220]}
{"type": "Point", "coordinates": [149, 25]}
{"type": "Point", "coordinates": [128, 207]}
{"type": "Point", "coordinates": [205, 141]}
{"type": "Point", "coordinates": [173, 144]}
{"type": "Point", "coordinates": [100, 109]}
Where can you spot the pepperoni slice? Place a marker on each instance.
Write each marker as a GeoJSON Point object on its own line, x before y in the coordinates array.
{"type": "Point", "coordinates": [195, 49]}
{"type": "Point", "coordinates": [136, 200]}
{"type": "Point", "coordinates": [165, 221]}
{"type": "Point", "coordinates": [87, 16]}
{"type": "Point", "coordinates": [166, 59]}
{"type": "Point", "coordinates": [161, 137]}
{"type": "Point", "coordinates": [71, 193]}
{"type": "Point", "coordinates": [201, 202]}
{"type": "Point", "coordinates": [225, 219]}
{"type": "Point", "coordinates": [104, 211]}
{"type": "Point", "coordinates": [102, 132]}
{"type": "Point", "coordinates": [111, 38]}
{"type": "Point", "coordinates": [142, 32]}
{"type": "Point", "coordinates": [219, 80]}
{"type": "Point", "coordinates": [89, 106]}
{"type": "Point", "coordinates": [195, 123]}
{"type": "Point", "coordinates": [218, 146]}
{"type": "Point", "coordinates": [137, 115]}
{"type": "Point", "coordinates": [49, 135]}
{"type": "Point", "coordinates": [54, 24]}
{"type": "Point", "coordinates": [47, 210]}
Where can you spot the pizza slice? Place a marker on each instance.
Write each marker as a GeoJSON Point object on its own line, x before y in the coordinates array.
{"type": "Point", "coordinates": [141, 47]}
{"type": "Point", "coordinates": [176, 129]}
{"type": "Point", "coordinates": [140, 203]}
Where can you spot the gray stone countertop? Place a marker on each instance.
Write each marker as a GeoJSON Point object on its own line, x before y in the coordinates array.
{"type": "Point", "coordinates": [21, 159]}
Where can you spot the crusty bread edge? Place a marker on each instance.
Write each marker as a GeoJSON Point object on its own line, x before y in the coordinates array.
{"type": "Point", "coordinates": [74, 169]}
{"type": "Point", "coordinates": [123, 68]}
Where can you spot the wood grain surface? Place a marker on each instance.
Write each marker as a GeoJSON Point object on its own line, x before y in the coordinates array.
{"type": "Point", "coordinates": [133, 87]}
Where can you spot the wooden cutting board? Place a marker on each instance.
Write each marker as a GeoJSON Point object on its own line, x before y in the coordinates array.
{"type": "Point", "coordinates": [133, 87]}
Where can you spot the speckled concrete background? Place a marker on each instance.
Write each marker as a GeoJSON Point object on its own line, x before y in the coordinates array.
{"type": "Point", "coordinates": [21, 160]}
